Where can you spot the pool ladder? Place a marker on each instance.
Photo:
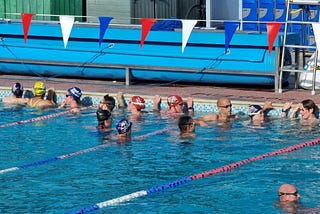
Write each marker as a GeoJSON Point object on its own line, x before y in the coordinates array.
{"type": "Point", "coordinates": [299, 49]}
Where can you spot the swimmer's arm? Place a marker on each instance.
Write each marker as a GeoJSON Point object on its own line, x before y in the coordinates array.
{"type": "Point", "coordinates": [156, 103]}
{"type": "Point", "coordinates": [295, 111]}
{"type": "Point", "coordinates": [121, 100]}
{"type": "Point", "coordinates": [200, 122]}
{"type": "Point", "coordinates": [285, 109]}
{"type": "Point", "coordinates": [190, 105]}
{"type": "Point", "coordinates": [209, 117]}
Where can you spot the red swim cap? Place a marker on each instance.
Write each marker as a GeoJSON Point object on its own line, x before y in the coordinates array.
{"type": "Point", "coordinates": [174, 100]}
{"type": "Point", "coordinates": [138, 102]}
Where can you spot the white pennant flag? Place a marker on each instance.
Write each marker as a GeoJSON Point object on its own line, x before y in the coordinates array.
{"type": "Point", "coordinates": [66, 23]}
{"type": "Point", "coordinates": [316, 30]}
{"type": "Point", "coordinates": [187, 26]}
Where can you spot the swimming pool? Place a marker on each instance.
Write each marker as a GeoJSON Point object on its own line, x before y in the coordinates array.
{"type": "Point", "coordinates": [116, 170]}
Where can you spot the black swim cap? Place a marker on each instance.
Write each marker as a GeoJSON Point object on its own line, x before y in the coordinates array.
{"type": "Point", "coordinates": [17, 89]}
{"type": "Point", "coordinates": [103, 115]}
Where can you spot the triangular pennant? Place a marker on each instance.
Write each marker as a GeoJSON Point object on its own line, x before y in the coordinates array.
{"type": "Point", "coordinates": [146, 26]}
{"type": "Point", "coordinates": [272, 30]}
{"type": "Point", "coordinates": [187, 27]}
{"type": "Point", "coordinates": [66, 23]}
{"type": "Point", "coordinates": [104, 23]}
{"type": "Point", "coordinates": [230, 29]}
{"type": "Point", "coordinates": [26, 21]}
{"type": "Point", "coordinates": [316, 31]}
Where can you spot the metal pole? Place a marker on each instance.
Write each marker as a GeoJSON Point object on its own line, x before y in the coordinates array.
{"type": "Point", "coordinates": [208, 13]}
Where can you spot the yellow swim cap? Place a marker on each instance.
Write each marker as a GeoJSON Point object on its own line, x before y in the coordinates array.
{"type": "Point", "coordinates": [39, 88]}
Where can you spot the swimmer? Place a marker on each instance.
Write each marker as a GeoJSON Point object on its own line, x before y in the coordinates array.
{"type": "Point", "coordinates": [136, 106]}
{"type": "Point", "coordinates": [124, 130]}
{"type": "Point", "coordinates": [104, 120]}
{"type": "Point", "coordinates": [225, 112]}
{"type": "Point", "coordinates": [307, 109]}
{"type": "Point", "coordinates": [38, 100]}
{"type": "Point", "coordinates": [72, 100]}
{"type": "Point", "coordinates": [288, 198]}
{"type": "Point", "coordinates": [187, 127]}
{"type": "Point", "coordinates": [107, 103]}
{"type": "Point", "coordinates": [175, 105]}
{"type": "Point", "coordinates": [16, 97]}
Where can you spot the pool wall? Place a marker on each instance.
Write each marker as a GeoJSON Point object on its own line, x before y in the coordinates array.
{"type": "Point", "coordinates": [200, 105]}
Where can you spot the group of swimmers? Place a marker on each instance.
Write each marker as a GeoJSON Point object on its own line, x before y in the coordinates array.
{"type": "Point", "coordinates": [72, 102]}
{"type": "Point", "coordinates": [177, 108]}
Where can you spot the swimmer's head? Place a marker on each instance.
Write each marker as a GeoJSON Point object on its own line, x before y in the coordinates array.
{"type": "Point", "coordinates": [39, 88]}
{"type": "Point", "coordinates": [254, 110]}
{"type": "Point", "coordinates": [75, 92]}
{"type": "Point", "coordinates": [138, 102]}
{"type": "Point", "coordinates": [174, 100]}
{"type": "Point", "coordinates": [17, 89]}
{"type": "Point", "coordinates": [123, 126]}
{"type": "Point", "coordinates": [103, 115]}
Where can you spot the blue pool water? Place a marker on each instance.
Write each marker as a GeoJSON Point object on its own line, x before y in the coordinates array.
{"type": "Point", "coordinates": [119, 169]}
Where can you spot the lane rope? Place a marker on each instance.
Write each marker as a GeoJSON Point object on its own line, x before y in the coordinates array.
{"type": "Point", "coordinates": [200, 175]}
{"type": "Point", "coordinates": [45, 117]}
{"type": "Point", "coordinates": [65, 156]}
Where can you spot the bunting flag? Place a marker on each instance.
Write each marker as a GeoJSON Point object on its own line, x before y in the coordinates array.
{"type": "Point", "coordinates": [66, 23]}
{"type": "Point", "coordinates": [272, 30]}
{"type": "Point", "coordinates": [146, 27]}
{"type": "Point", "coordinates": [230, 29]}
{"type": "Point", "coordinates": [187, 26]}
{"type": "Point", "coordinates": [104, 23]}
{"type": "Point", "coordinates": [26, 21]}
{"type": "Point", "coordinates": [316, 31]}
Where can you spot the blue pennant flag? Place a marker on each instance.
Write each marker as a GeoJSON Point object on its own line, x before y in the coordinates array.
{"type": "Point", "coordinates": [104, 23]}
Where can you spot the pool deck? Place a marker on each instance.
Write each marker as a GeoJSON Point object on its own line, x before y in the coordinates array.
{"type": "Point", "coordinates": [208, 93]}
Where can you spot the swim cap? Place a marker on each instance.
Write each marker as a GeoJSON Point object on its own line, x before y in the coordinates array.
{"type": "Point", "coordinates": [17, 89]}
{"type": "Point", "coordinates": [103, 115]}
{"type": "Point", "coordinates": [39, 88]}
{"type": "Point", "coordinates": [254, 109]}
{"type": "Point", "coordinates": [138, 102]}
{"type": "Point", "coordinates": [174, 100]}
{"type": "Point", "coordinates": [123, 126]}
{"type": "Point", "coordinates": [75, 92]}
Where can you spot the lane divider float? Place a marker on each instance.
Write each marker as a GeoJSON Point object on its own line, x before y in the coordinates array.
{"type": "Point", "coordinates": [200, 175]}
{"type": "Point", "coordinates": [45, 117]}
{"type": "Point", "coordinates": [50, 160]}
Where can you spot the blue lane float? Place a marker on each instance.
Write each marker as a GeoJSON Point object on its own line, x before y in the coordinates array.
{"type": "Point", "coordinates": [200, 175]}
{"type": "Point", "coordinates": [83, 151]}
{"type": "Point", "coordinates": [119, 57]}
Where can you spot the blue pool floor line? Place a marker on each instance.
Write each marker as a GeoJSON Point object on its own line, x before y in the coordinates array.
{"type": "Point", "coordinates": [65, 156]}
{"type": "Point", "coordinates": [201, 175]}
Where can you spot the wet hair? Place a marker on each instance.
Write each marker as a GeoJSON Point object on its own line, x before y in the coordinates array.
{"type": "Point", "coordinates": [184, 121]}
{"type": "Point", "coordinates": [309, 104]}
{"type": "Point", "coordinates": [109, 101]}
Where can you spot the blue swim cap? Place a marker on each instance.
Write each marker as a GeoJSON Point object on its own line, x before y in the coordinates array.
{"type": "Point", "coordinates": [123, 126]}
{"type": "Point", "coordinates": [75, 92]}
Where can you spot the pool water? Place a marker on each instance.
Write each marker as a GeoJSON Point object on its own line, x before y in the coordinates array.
{"type": "Point", "coordinates": [116, 170]}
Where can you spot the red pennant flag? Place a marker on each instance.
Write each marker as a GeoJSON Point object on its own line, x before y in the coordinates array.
{"type": "Point", "coordinates": [26, 21]}
{"type": "Point", "coordinates": [273, 30]}
{"type": "Point", "coordinates": [146, 27]}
